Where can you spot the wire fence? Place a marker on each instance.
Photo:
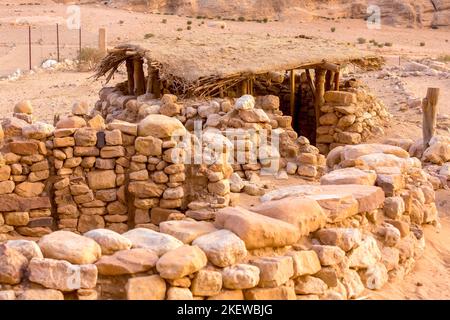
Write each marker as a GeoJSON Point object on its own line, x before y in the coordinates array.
{"type": "Point", "coordinates": [25, 47]}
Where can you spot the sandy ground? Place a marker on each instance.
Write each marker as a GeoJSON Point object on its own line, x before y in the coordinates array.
{"type": "Point", "coordinates": [54, 92]}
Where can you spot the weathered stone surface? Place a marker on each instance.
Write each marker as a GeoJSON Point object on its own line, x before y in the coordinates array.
{"type": "Point", "coordinates": [365, 255]}
{"type": "Point", "coordinates": [101, 179]}
{"type": "Point", "coordinates": [246, 102]}
{"type": "Point", "coordinates": [223, 248]}
{"type": "Point", "coordinates": [305, 262]}
{"type": "Point", "coordinates": [127, 262]}
{"type": "Point", "coordinates": [86, 137]}
{"type": "Point", "coordinates": [310, 285]}
{"type": "Point", "coordinates": [88, 222]}
{"type": "Point", "coordinates": [40, 294]}
{"type": "Point", "coordinates": [62, 275]}
{"type": "Point", "coordinates": [257, 231]}
{"type": "Point", "coordinates": [12, 202]}
{"type": "Point", "coordinates": [206, 283]}
{"type": "Point", "coordinates": [277, 293]}
{"type": "Point", "coordinates": [352, 283]}
{"type": "Point", "coordinates": [176, 293]}
{"type": "Point", "coordinates": [64, 245]}
{"type": "Point", "coordinates": [27, 248]}
{"type": "Point", "coordinates": [329, 255]}
{"type": "Point", "coordinates": [23, 106]}
{"type": "Point", "coordinates": [109, 240]}
{"type": "Point", "coordinates": [375, 277]}
{"type": "Point", "coordinates": [349, 176]}
{"type": "Point", "coordinates": [181, 262]}
{"type": "Point", "coordinates": [24, 148]}
{"type": "Point", "coordinates": [302, 212]}
{"type": "Point", "coordinates": [160, 126]}
{"type": "Point", "coordinates": [38, 130]}
{"type": "Point", "coordinates": [228, 295]}
{"type": "Point", "coordinates": [7, 294]}
{"type": "Point", "coordinates": [124, 127]}
{"type": "Point", "coordinates": [160, 243]}
{"type": "Point", "coordinates": [328, 119]}
{"type": "Point", "coordinates": [254, 115]}
{"type": "Point", "coordinates": [340, 97]}
{"type": "Point", "coordinates": [71, 122]}
{"type": "Point", "coordinates": [145, 189]}
{"type": "Point", "coordinates": [146, 288]}
{"type": "Point", "coordinates": [240, 276]}
{"type": "Point", "coordinates": [186, 231]}
{"type": "Point", "coordinates": [12, 265]}
{"type": "Point", "coordinates": [274, 271]}
{"type": "Point", "coordinates": [394, 207]}
{"type": "Point", "coordinates": [7, 187]}
{"type": "Point", "coordinates": [345, 238]}
{"type": "Point", "coordinates": [355, 152]}
{"type": "Point", "coordinates": [439, 150]}
{"type": "Point", "coordinates": [148, 146]}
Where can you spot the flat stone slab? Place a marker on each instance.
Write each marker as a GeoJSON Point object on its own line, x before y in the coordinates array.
{"type": "Point", "coordinates": [368, 197]}
{"type": "Point", "coordinates": [350, 176]}
{"type": "Point", "coordinates": [185, 230]}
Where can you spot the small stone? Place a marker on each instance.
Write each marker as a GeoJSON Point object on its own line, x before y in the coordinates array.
{"type": "Point", "coordinates": [274, 271]}
{"type": "Point", "coordinates": [305, 262]}
{"type": "Point", "coordinates": [329, 255]}
{"type": "Point", "coordinates": [240, 276]}
{"type": "Point", "coordinates": [310, 285]}
{"type": "Point", "coordinates": [206, 283]}
{"type": "Point", "coordinates": [146, 288]}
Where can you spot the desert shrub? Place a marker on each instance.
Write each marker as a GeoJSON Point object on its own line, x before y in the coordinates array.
{"type": "Point", "coordinates": [189, 22]}
{"type": "Point", "coordinates": [265, 20]}
{"type": "Point", "coordinates": [188, 27]}
{"type": "Point", "coordinates": [148, 35]}
{"type": "Point", "coordinates": [241, 19]}
{"type": "Point", "coordinates": [164, 21]}
{"type": "Point", "coordinates": [89, 57]}
{"type": "Point", "coordinates": [444, 58]}
{"type": "Point", "coordinates": [180, 29]}
{"type": "Point", "coordinates": [388, 44]}
{"type": "Point", "coordinates": [333, 29]}
{"type": "Point", "coordinates": [222, 27]}
{"type": "Point", "coordinates": [422, 44]}
{"type": "Point", "coordinates": [361, 40]}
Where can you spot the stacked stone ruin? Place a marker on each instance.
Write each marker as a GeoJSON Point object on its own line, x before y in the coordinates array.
{"type": "Point", "coordinates": [136, 221]}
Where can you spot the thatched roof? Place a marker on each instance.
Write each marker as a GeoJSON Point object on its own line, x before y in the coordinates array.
{"type": "Point", "coordinates": [191, 62]}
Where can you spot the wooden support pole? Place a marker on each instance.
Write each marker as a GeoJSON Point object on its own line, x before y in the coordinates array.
{"type": "Point", "coordinates": [329, 66]}
{"type": "Point", "coordinates": [139, 77]}
{"type": "Point", "coordinates": [320, 91]}
{"type": "Point", "coordinates": [148, 87]}
{"type": "Point", "coordinates": [156, 84]}
{"type": "Point", "coordinates": [130, 76]}
{"type": "Point", "coordinates": [329, 78]}
{"type": "Point", "coordinates": [102, 40]}
{"type": "Point", "coordinates": [292, 92]}
{"type": "Point", "coordinates": [244, 87]}
{"type": "Point", "coordinates": [337, 80]}
{"type": "Point", "coordinates": [430, 110]}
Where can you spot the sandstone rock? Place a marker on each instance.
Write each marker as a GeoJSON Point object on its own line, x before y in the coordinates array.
{"type": "Point", "coordinates": [278, 293]}
{"type": "Point", "coordinates": [375, 277]}
{"type": "Point", "coordinates": [145, 189]}
{"type": "Point", "coordinates": [305, 262]}
{"type": "Point", "coordinates": [160, 243]}
{"type": "Point", "coordinates": [109, 240]}
{"type": "Point", "coordinates": [329, 255]}
{"type": "Point", "coordinates": [125, 127]}
{"type": "Point", "coordinates": [80, 108]}
{"type": "Point", "coordinates": [160, 126]}
{"type": "Point", "coordinates": [439, 150]}
{"type": "Point", "coordinates": [24, 148]}
{"type": "Point", "coordinates": [12, 265]}
{"type": "Point", "coordinates": [304, 213]}
{"type": "Point", "coordinates": [240, 276]}
{"type": "Point", "coordinates": [365, 255]}
{"type": "Point", "coordinates": [176, 293]}
{"type": "Point", "coordinates": [29, 189]}
{"type": "Point", "coordinates": [146, 288]}
{"type": "Point", "coordinates": [7, 295]}
{"type": "Point", "coordinates": [349, 176]}
{"type": "Point", "coordinates": [64, 245]}
{"type": "Point", "coordinates": [101, 179]}
{"type": "Point", "coordinates": [394, 207]}
{"type": "Point", "coordinates": [352, 283]}
{"type": "Point", "coordinates": [127, 262]}
{"type": "Point", "coordinates": [88, 222]}
{"type": "Point", "coordinates": [71, 122]}
{"type": "Point", "coordinates": [181, 262]}
{"type": "Point", "coordinates": [186, 231]}
{"type": "Point", "coordinates": [206, 283]}
{"type": "Point", "coordinates": [349, 137]}
{"type": "Point", "coordinates": [246, 102]}
{"type": "Point", "coordinates": [86, 137]}
{"type": "Point", "coordinates": [97, 123]}
{"type": "Point", "coordinates": [310, 285]}
{"type": "Point", "coordinates": [148, 146]}
{"type": "Point", "coordinates": [40, 294]}
{"type": "Point", "coordinates": [38, 130]}
{"type": "Point", "coordinates": [27, 248]}
{"type": "Point", "coordinates": [274, 271]}
{"type": "Point", "coordinates": [257, 231]}
{"type": "Point", "coordinates": [62, 275]}
{"type": "Point", "coordinates": [223, 248]}
{"type": "Point", "coordinates": [355, 152]}
{"type": "Point", "coordinates": [340, 97]}
{"type": "Point", "coordinates": [254, 115]}
{"type": "Point", "coordinates": [23, 106]}
{"type": "Point", "coordinates": [345, 238]}
{"type": "Point", "coordinates": [7, 187]}
{"type": "Point", "coordinates": [16, 218]}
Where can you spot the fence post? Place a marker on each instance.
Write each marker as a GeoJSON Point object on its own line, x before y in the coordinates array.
{"type": "Point", "coordinates": [430, 110]}
{"type": "Point", "coordinates": [102, 40]}
{"type": "Point", "coordinates": [57, 41]}
{"type": "Point", "coordinates": [29, 45]}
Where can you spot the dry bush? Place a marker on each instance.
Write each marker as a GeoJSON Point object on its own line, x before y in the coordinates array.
{"type": "Point", "coordinates": [88, 58]}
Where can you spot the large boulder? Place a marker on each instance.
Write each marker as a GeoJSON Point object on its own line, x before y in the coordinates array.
{"type": "Point", "coordinates": [23, 106]}
{"type": "Point", "coordinates": [256, 230]}
{"type": "Point", "coordinates": [12, 265]}
{"type": "Point", "coordinates": [354, 152]}
{"type": "Point", "coordinates": [160, 126]}
{"type": "Point", "coordinates": [302, 212]}
{"type": "Point", "coordinates": [223, 248]}
{"type": "Point", "coordinates": [160, 243]}
{"type": "Point", "coordinates": [28, 248]}
{"type": "Point", "coordinates": [110, 241]}
{"type": "Point", "coordinates": [181, 262]}
{"type": "Point", "coordinates": [65, 245]}
{"type": "Point", "coordinates": [38, 130]}
{"type": "Point", "coordinates": [439, 150]}
{"type": "Point", "coordinates": [62, 275]}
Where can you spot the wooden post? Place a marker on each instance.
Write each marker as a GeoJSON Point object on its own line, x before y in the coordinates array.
{"type": "Point", "coordinates": [156, 84]}
{"type": "Point", "coordinates": [139, 77]}
{"type": "Point", "coordinates": [129, 64]}
{"type": "Point", "coordinates": [292, 97]}
{"type": "Point", "coordinates": [244, 87]}
{"type": "Point", "coordinates": [336, 80]}
{"type": "Point", "coordinates": [320, 91]}
{"type": "Point", "coordinates": [329, 78]}
{"type": "Point", "coordinates": [430, 110]}
{"type": "Point", "coordinates": [102, 40]}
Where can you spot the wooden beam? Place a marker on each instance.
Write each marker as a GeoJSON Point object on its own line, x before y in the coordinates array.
{"type": "Point", "coordinates": [139, 77]}
{"type": "Point", "coordinates": [329, 77]}
{"type": "Point", "coordinates": [320, 91]}
{"type": "Point", "coordinates": [337, 80]}
{"type": "Point", "coordinates": [148, 88]}
{"type": "Point", "coordinates": [330, 66]}
{"type": "Point", "coordinates": [430, 110]}
{"type": "Point", "coordinates": [310, 81]}
{"type": "Point", "coordinates": [292, 97]}
{"type": "Point", "coordinates": [244, 87]}
{"type": "Point", "coordinates": [130, 75]}
{"type": "Point", "coordinates": [156, 84]}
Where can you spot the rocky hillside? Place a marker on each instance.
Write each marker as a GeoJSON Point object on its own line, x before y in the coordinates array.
{"type": "Point", "coordinates": [411, 13]}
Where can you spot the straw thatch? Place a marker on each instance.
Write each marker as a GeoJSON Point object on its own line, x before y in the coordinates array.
{"type": "Point", "coordinates": [201, 66]}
